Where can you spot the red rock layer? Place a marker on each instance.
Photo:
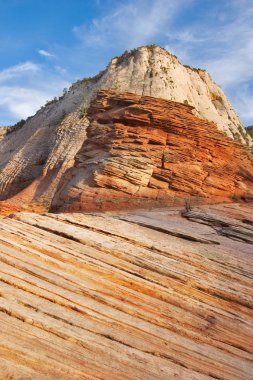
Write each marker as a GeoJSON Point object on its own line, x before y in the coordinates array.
{"type": "Point", "coordinates": [144, 151]}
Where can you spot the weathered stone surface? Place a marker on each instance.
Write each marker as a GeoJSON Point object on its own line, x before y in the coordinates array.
{"type": "Point", "coordinates": [142, 151]}
{"type": "Point", "coordinates": [32, 166]}
{"type": "Point", "coordinates": [132, 151]}
{"type": "Point", "coordinates": [96, 296]}
{"type": "Point", "coordinates": [152, 71]}
{"type": "Point", "coordinates": [41, 149]}
{"type": "Point", "coordinates": [231, 228]}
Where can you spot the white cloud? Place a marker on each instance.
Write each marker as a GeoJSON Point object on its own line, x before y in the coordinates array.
{"type": "Point", "coordinates": [22, 102]}
{"type": "Point", "coordinates": [23, 89]}
{"type": "Point", "coordinates": [18, 70]}
{"type": "Point", "coordinates": [234, 61]}
{"type": "Point", "coordinates": [45, 53]}
{"type": "Point", "coordinates": [222, 43]}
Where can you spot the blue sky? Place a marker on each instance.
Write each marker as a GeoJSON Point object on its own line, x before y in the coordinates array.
{"type": "Point", "coordinates": [45, 45]}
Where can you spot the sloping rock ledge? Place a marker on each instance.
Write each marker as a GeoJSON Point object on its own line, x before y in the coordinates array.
{"type": "Point", "coordinates": [143, 295]}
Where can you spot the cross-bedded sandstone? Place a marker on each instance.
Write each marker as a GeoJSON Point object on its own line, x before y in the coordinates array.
{"type": "Point", "coordinates": [143, 151]}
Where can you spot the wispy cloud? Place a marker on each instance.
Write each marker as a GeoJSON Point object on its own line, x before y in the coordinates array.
{"type": "Point", "coordinates": [46, 53]}
{"type": "Point", "coordinates": [23, 89]}
{"type": "Point", "coordinates": [131, 24]}
{"type": "Point", "coordinates": [224, 47]}
{"type": "Point", "coordinates": [22, 102]}
{"type": "Point", "coordinates": [18, 70]}
{"type": "Point", "coordinates": [222, 43]}
{"type": "Point", "coordinates": [233, 62]}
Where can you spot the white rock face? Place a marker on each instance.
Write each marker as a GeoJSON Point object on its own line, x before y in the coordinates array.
{"type": "Point", "coordinates": [154, 72]}
{"type": "Point", "coordinates": [51, 138]}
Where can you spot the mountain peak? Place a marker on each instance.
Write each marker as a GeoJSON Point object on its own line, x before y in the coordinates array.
{"type": "Point", "coordinates": [153, 71]}
{"type": "Point", "coordinates": [145, 49]}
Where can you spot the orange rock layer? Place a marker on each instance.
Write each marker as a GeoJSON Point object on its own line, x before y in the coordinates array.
{"type": "Point", "coordinates": [139, 152]}
{"type": "Point", "coordinates": [144, 151]}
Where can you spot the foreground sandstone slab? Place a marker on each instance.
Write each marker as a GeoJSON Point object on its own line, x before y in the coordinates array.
{"type": "Point", "coordinates": [143, 295]}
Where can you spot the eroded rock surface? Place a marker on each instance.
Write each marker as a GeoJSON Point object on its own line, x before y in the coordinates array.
{"type": "Point", "coordinates": [142, 151]}
{"type": "Point", "coordinates": [33, 159]}
{"type": "Point", "coordinates": [130, 151]}
{"type": "Point", "coordinates": [241, 231]}
{"type": "Point", "coordinates": [101, 296]}
{"type": "Point", "coordinates": [41, 149]}
{"type": "Point", "coordinates": [152, 71]}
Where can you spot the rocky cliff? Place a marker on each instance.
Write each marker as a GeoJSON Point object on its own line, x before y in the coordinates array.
{"type": "Point", "coordinates": [138, 151]}
{"type": "Point", "coordinates": [152, 71]}
{"type": "Point", "coordinates": [152, 151]}
{"type": "Point", "coordinates": [34, 156]}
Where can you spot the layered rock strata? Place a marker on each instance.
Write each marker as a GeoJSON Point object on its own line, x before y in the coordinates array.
{"type": "Point", "coordinates": [128, 151]}
{"type": "Point", "coordinates": [47, 142]}
{"type": "Point", "coordinates": [112, 297]}
{"type": "Point", "coordinates": [143, 151]}
{"type": "Point", "coordinates": [34, 159]}
{"type": "Point", "coordinates": [152, 71]}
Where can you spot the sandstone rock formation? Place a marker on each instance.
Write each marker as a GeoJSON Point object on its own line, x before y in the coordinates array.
{"type": "Point", "coordinates": [153, 295]}
{"type": "Point", "coordinates": [38, 155]}
{"type": "Point", "coordinates": [151, 71]}
{"type": "Point", "coordinates": [113, 297]}
{"type": "Point", "coordinates": [147, 151]}
{"type": "Point", "coordinates": [137, 152]}
{"type": "Point", "coordinates": [49, 141]}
